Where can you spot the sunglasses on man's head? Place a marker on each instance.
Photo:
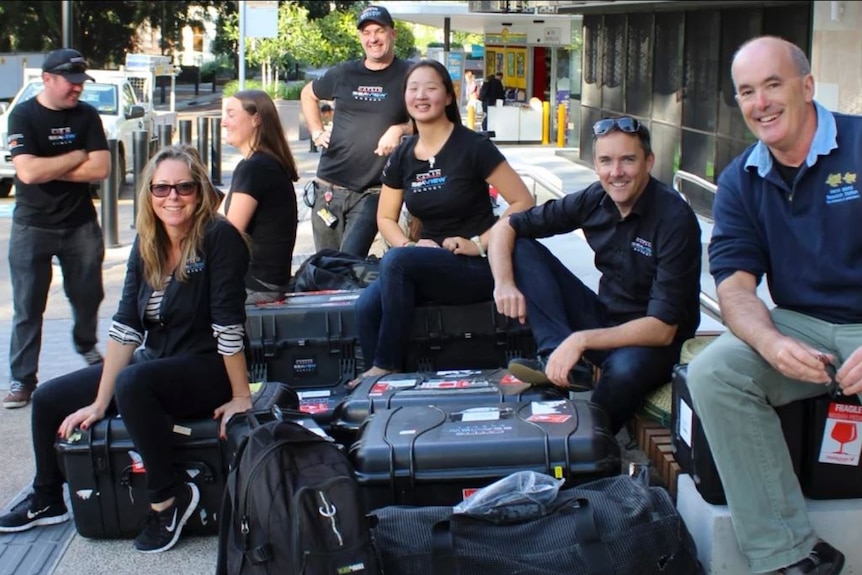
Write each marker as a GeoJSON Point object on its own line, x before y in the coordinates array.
{"type": "Point", "coordinates": [75, 65]}
{"type": "Point", "coordinates": [625, 124]}
{"type": "Point", "coordinates": [182, 188]}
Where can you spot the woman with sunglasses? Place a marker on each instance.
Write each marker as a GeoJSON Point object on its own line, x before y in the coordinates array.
{"type": "Point", "coordinates": [441, 174]}
{"type": "Point", "coordinates": [262, 200]}
{"type": "Point", "coordinates": [175, 350]}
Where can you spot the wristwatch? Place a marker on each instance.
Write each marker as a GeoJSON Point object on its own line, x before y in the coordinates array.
{"type": "Point", "coordinates": [478, 241]}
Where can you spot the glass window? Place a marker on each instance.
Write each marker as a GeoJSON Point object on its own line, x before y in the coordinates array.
{"type": "Point", "coordinates": [639, 65]}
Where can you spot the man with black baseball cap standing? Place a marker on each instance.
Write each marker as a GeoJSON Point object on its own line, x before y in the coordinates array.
{"type": "Point", "coordinates": [58, 148]}
{"type": "Point", "coordinates": [370, 118]}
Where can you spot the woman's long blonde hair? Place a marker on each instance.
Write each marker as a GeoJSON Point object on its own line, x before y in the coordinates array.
{"type": "Point", "coordinates": [153, 241]}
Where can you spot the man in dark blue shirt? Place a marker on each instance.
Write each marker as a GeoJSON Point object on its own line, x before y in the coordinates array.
{"type": "Point", "coordinates": [647, 246]}
{"type": "Point", "coordinates": [788, 207]}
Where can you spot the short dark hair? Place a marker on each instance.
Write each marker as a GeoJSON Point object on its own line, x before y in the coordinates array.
{"type": "Point", "coordinates": [642, 134]}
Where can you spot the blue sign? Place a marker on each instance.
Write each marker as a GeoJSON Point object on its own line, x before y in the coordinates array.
{"type": "Point", "coordinates": [456, 63]}
{"type": "Point", "coordinates": [477, 51]}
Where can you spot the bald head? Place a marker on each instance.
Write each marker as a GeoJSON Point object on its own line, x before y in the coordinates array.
{"type": "Point", "coordinates": [770, 47]}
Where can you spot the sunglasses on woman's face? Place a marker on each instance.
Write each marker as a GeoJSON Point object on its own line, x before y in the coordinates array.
{"type": "Point", "coordinates": [182, 188]}
{"type": "Point", "coordinates": [626, 124]}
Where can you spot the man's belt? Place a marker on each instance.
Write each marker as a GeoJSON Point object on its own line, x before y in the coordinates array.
{"type": "Point", "coordinates": [326, 186]}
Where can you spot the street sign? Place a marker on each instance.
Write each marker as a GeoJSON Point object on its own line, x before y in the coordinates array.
{"type": "Point", "coordinates": [261, 19]}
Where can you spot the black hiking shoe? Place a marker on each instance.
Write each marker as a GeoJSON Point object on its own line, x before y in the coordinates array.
{"type": "Point", "coordinates": [824, 559]}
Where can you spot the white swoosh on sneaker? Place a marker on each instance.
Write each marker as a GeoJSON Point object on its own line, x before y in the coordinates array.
{"type": "Point", "coordinates": [31, 515]}
{"type": "Point", "coordinates": [173, 524]}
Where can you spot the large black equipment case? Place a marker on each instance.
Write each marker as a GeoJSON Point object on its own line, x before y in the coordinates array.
{"type": "Point", "coordinates": [692, 449]}
{"type": "Point", "coordinates": [831, 467]}
{"type": "Point", "coordinates": [461, 388]}
{"type": "Point", "coordinates": [107, 481]}
{"type": "Point", "coordinates": [437, 455]}
{"type": "Point", "coordinates": [307, 341]}
{"type": "Point", "coordinates": [473, 336]}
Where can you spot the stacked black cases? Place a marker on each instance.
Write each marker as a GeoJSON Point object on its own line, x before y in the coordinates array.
{"type": "Point", "coordinates": [107, 480]}
{"type": "Point", "coordinates": [462, 388]}
{"type": "Point", "coordinates": [437, 455]}
{"type": "Point", "coordinates": [692, 449]}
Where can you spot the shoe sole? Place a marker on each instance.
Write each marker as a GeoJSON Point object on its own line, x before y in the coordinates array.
{"type": "Point", "coordinates": [193, 504]}
{"type": "Point", "coordinates": [57, 519]}
{"type": "Point", "coordinates": [15, 404]}
{"type": "Point", "coordinates": [528, 375]}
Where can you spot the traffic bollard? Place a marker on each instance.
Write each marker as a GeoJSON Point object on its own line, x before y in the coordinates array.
{"type": "Point", "coordinates": [165, 135]}
{"type": "Point", "coordinates": [140, 157]}
{"type": "Point", "coordinates": [185, 132]}
{"type": "Point", "coordinates": [204, 139]}
{"type": "Point", "coordinates": [109, 195]}
{"type": "Point", "coordinates": [215, 149]}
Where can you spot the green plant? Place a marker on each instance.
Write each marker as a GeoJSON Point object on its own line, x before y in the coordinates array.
{"type": "Point", "coordinates": [221, 66]}
{"type": "Point", "coordinates": [286, 90]}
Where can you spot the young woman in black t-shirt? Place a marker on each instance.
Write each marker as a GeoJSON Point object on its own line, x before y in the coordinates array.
{"type": "Point", "coordinates": [441, 174]}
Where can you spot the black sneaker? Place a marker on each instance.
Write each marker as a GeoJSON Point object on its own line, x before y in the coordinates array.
{"type": "Point", "coordinates": [533, 371]}
{"type": "Point", "coordinates": [92, 356]}
{"type": "Point", "coordinates": [31, 513]}
{"type": "Point", "coordinates": [163, 528]}
{"type": "Point", "coordinates": [824, 559]}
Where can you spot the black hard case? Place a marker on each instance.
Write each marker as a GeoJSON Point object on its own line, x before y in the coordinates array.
{"type": "Point", "coordinates": [462, 388]}
{"type": "Point", "coordinates": [435, 455]}
{"type": "Point", "coordinates": [107, 481]}
{"type": "Point", "coordinates": [839, 474]}
{"type": "Point", "coordinates": [307, 341]}
{"type": "Point", "coordinates": [695, 458]}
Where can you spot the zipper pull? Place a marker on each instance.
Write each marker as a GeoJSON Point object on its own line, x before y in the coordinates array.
{"type": "Point", "coordinates": [328, 510]}
{"type": "Point", "coordinates": [243, 526]}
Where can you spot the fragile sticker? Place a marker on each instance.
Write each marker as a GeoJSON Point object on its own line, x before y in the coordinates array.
{"type": "Point", "coordinates": [546, 407]}
{"type": "Point", "coordinates": [510, 379]}
{"type": "Point", "coordinates": [841, 443]}
{"type": "Point", "coordinates": [313, 407]}
{"type": "Point", "coordinates": [549, 418]}
{"type": "Point", "coordinates": [382, 387]}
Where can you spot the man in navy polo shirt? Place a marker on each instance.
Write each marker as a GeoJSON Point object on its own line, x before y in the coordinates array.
{"type": "Point", "coordinates": [647, 246]}
{"type": "Point", "coordinates": [788, 207]}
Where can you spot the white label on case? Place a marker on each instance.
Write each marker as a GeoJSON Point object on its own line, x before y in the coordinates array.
{"type": "Point", "coordinates": [182, 430]}
{"type": "Point", "coordinates": [481, 414]}
{"type": "Point", "coordinates": [313, 393]}
{"type": "Point", "coordinates": [685, 422]}
{"type": "Point", "coordinates": [547, 407]}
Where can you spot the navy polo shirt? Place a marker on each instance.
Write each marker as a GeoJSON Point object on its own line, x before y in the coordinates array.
{"type": "Point", "coordinates": [806, 238]}
{"type": "Point", "coordinates": [650, 260]}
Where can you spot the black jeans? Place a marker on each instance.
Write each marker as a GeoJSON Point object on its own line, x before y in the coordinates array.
{"type": "Point", "coordinates": [356, 224]}
{"type": "Point", "coordinates": [559, 304]}
{"type": "Point", "coordinates": [80, 252]}
{"type": "Point", "coordinates": [150, 395]}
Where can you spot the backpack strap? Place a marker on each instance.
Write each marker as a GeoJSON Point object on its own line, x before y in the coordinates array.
{"type": "Point", "coordinates": [444, 561]}
{"type": "Point", "coordinates": [594, 552]}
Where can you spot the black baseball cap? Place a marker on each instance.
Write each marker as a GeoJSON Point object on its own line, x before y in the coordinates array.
{"type": "Point", "coordinates": [377, 14]}
{"type": "Point", "coordinates": [67, 63]}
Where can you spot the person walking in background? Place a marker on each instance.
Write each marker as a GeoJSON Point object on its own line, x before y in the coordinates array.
{"type": "Point", "coordinates": [367, 126]}
{"type": "Point", "coordinates": [788, 207]}
{"type": "Point", "coordinates": [442, 175]}
{"type": "Point", "coordinates": [491, 91]}
{"type": "Point", "coordinates": [183, 300]}
{"type": "Point", "coordinates": [647, 247]}
{"type": "Point", "coordinates": [262, 199]}
{"type": "Point", "coordinates": [58, 148]}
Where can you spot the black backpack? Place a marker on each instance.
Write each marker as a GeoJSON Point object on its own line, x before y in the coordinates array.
{"type": "Point", "coordinates": [331, 269]}
{"type": "Point", "coordinates": [292, 506]}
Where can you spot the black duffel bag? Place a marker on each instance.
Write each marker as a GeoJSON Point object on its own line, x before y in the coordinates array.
{"type": "Point", "coordinates": [612, 526]}
{"type": "Point", "coordinates": [331, 269]}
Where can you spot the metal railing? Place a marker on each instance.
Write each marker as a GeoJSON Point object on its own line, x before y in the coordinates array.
{"type": "Point", "coordinates": [533, 180]}
{"type": "Point", "coordinates": [707, 302]}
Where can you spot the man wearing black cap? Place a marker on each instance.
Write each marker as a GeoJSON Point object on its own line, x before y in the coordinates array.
{"type": "Point", "coordinates": [58, 147]}
{"type": "Point", "coordinates": [370, 118]}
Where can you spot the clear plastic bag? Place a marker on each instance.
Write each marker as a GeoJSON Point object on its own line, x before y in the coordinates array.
{"type": "Point", "coordinates": [516, 497]}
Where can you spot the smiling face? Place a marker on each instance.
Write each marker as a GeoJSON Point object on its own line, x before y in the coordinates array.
{"type": "Point", "coordinates": [775, 99]}
{"type": "Point", "coordinates": [59, 93]}
{"type": "Point", "coordinates": [176, 212]}
{"type": "Point", "coordinates": [623, 168]}
{"type": "Point", "coordinates": [239, 126]}
{"type": "Point", "coordinates": [378, 42]}
{"type": "Point", "coordinates": [426, 95]}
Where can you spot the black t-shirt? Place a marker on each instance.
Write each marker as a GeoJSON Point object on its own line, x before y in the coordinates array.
{"type": "Point", "coordinates": [367, 103]}
{"type": "Point", "coordinates": [272, 228]}
{"type": "Point", "coordinates": [451, 197]}
{"type": "Point", "coordinates": [40, 131]}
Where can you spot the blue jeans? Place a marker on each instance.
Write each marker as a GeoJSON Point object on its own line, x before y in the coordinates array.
{"type": "Point", "coordinates": [735, 392]}
{"type": "Point", "coordinates": [80, 252]}
{"type": "Point", "coordinates": [356, 227]}
{"type": "Point", "coordinates": [559, 304]}
{"type": "Point", "coordinates": [150, 395]}
{"type": "Point", "coordinates": [409, 277]}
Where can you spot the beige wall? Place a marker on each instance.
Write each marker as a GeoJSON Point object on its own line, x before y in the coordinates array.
{"type": "Point", "coordinates": [836, 55]}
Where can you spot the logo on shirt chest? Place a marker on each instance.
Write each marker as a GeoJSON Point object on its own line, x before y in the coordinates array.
{"type": "Point", "coordinates": [426, 181]}
{"type": "Point", "coordinates": [369, 93]}
{"type": "Point", "coordinates": [642, 246]}
{"type": "Point", "coordinates": [60, 136]}
{"type": "Point", "coordinates": [842, 188]}
{"type": "Point", "coordinates": [194, 266]}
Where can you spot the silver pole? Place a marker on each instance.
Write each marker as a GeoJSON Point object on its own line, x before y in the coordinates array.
{"type": "Point", "coordinates": [241, 6]}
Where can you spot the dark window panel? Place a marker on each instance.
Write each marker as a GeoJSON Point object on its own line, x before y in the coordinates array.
{"type": "Point", "coordinates": [698, 158]}
{"type": "Point", "coordinates": [666, 147]}
{"type": "Point", "coordinates": [793, 23]}
{"type": "Point", "coordinates": [613, 62]}
{"type": "Point", "coordinates": [737, 26]}
{"type": "Point", "coordinates": [639, 65]}
{"type": "Point", "coordinates": [701, 70]}
{"type": "Point", "coordinates": [667, 67]}
{"type": "Point", "coordinates": [726, 150]}
{"type": "Point", "coordinates": [589, 116]}
{"type": "Point", "coordinates": [592, 73]}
